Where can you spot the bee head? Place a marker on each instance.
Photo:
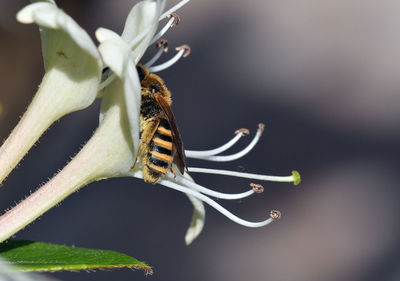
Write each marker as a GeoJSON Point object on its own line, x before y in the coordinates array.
{"type": "Point", "coordinates": [142, 71]}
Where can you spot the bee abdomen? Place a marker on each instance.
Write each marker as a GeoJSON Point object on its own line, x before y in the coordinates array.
{"type": "Point", "coordinates": [155, 166]}
{"type": "Point", "coordinates": [159, 156]}
{"type": "Point", "coordinates": [161, 143]}
{"type": "Point", "coordinates": [151, 175]}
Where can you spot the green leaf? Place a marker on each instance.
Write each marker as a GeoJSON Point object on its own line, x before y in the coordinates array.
{"type": "Point", "coordinates": [39, 256]}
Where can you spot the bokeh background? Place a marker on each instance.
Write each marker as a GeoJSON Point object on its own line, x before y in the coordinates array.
{"type": "Point", "coordinates": [322, 75]}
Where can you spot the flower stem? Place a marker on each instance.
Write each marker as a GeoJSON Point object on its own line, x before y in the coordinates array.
{"type": "Point", "coordinates": [60, 93]}
{"type": "Point", "coordinates": [105, 155]}
{"type": "Point", "coordinates": [29, 129]}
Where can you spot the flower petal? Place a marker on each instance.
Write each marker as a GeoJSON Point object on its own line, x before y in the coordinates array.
{"type": "Point", "coordinates": [117, 55]}
{"type": "Point", "coordinates": [198, 217]}
{"type": "Point", "coordinates": [114, 52]}
{"type": "Point", "coordinates": [140, 17]}
{"type": "Point", "coordinates": [49, 16]}
{"type": "Point", "coordinates": [103, 34]}
{"type": "Point", "coordinates": [141, 25]}
{"type": "Point", "coordinates": [73, 72]}
{"type": "Point", "coordinates": [198, 220]}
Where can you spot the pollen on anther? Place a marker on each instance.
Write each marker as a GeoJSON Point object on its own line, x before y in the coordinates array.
{"type": "Point", "coordinates": [258, 188]}
{"type": "Point", "coordinates": [184, 47]}
{"type": "Point", "coordinates": [177, 19]}
{"type": "Point", "coordinates": [244, 131]}
{"type": "Point", "coordinates": [275, 214]}
{"type": "Point", "coordinates": [162, 43]}
{"type": "Point", "coordinates": [261, 127]}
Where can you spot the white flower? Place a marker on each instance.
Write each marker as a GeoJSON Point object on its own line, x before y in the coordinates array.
{"type": "Point", "coordinates": [112, 150]}
{"type": "Point", "coordinates": [73, 70]}
{"type": "Point", "coordinates": [72, 75]}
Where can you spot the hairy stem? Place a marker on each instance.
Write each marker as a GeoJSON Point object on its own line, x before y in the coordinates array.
{"type": "Point", "coordinates": [107, 154]}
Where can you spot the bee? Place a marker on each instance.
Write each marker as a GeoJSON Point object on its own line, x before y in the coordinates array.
{"type": "Point", "coordinates": [160, 140]}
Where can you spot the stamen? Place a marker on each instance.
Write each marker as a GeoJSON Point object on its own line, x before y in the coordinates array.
{"type": "Point", "coordinates": [205, 199]}
{"type": "Point", "coordinates": [200, 154]}
{"type": "Point", "coordinates": [173, 9]}
{"type": "Point", "coordinates": [183, 51]}
{"type": "Point", "coordinates": [295, 177]}
{"type": "Point", "coordinates": [160, 43]}
{"type": "Point", "coordinates": [225, 158]}
{"type": "Point", "coordinates": [215, 205]}
{"type": "Point", "coordinates": [275, 215]}
{"type": "Point", "coordinates": [202, 189]}
{"type": "Point", "coordinates": [176, 18]}
{"type": "Point", "coordinates": [258, 188]}
{"type": "Point", "coordinates": [244, 131]}
{"type": "Point", "coordinates": [186, 48]}
{"type": "Point", "coordinates": [173, 21]}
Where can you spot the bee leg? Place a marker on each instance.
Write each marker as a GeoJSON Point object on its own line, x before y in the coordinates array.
{"type": "Point", "coordinates": [149, 128]}
{"type": "Point", "coordinates": [172, 171]}
{"type": "Point", "coordinates": [140, 151]}
{"type": "Point", "coordinates": [134, 163]}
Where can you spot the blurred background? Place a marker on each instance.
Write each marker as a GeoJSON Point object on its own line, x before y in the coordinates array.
{"type": "Point", "coordinates": [322, 75]}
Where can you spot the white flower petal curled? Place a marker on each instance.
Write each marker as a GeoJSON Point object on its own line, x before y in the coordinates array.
{"type": "Point", "coordinates": [121, 55]}
{"type": "Point", "coordinates": [114, 51]}
{"type": "Point", "coordinates": [141, 25]}
{"type": "Point", "coordinates": [26, 15]}
{"type": "Point", "coordinates": [49, 16]}
{"type": "Point", "coordinates": [141, 16]}
{"type": "Point", "coordinates": [117, 55]}
{"type": "Point", "coordinates": [198, 220]}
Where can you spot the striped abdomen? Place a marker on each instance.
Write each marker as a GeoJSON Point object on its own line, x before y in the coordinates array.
{"type": "Point", "coordinates": [159, 157]}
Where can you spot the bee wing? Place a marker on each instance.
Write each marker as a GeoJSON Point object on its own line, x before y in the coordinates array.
{"type": "Point", "coordinates": [179, 157]}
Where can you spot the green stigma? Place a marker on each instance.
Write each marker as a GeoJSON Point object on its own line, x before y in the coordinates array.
{"type": "Point", "coordinates": [296, 178]}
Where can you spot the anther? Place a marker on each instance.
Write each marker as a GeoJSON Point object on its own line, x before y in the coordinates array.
{"type": "Point", "coordinates": [257, 188]}
{"type": "Point", "coordinates": [261, 127]}
{"type": "Point", "coordinates": [244, 131]}
{"type": "Point", "coordinates": [186, 48]}
{"type": "Point", "coordinates": [275, 215]}
{"type": "Point", "coordinates": [162, 43]}
{"type": "Point", "coordinates": [183, 51]}
{"type": "Point", "coordinates": [171, 22]}
{"type": "Point", "coordinates": [173, 9]}
{"type": "Point", "coordinates": [177, 19]}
